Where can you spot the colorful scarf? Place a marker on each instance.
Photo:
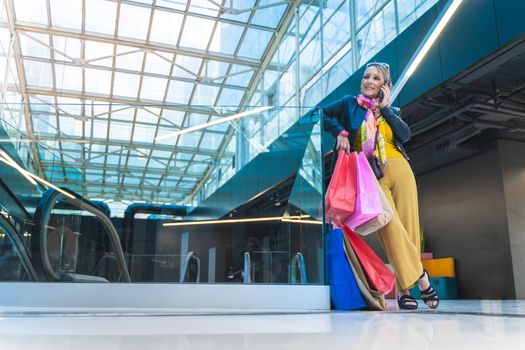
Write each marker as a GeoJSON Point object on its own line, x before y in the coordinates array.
{"type": "Point", "coordinates": [368, 129]}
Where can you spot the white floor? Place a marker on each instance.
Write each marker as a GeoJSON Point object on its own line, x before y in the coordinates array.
{"type": "Point", "coordinates": [455, 325]}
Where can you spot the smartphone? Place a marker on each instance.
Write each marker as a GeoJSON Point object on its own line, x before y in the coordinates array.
{"type": "Point", "coordinates": [381, 96]}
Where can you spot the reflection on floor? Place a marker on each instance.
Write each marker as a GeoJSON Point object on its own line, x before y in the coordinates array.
{"type": "Point", "coordinates": [455, 325]}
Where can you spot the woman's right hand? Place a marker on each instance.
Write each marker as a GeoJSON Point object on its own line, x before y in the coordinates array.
{"type": "Point", "coordinates": [343, 144]}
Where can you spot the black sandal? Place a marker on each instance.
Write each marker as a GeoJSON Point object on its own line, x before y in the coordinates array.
{"type": "Point", "coordinates": [429, 294]}
{"type": "Point", "coordinates": [406, 302]}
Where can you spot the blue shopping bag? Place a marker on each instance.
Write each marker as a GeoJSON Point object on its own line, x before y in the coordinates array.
{"type": "Point", "coordinates": [344, 292]}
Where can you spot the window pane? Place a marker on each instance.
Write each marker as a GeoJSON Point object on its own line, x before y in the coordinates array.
{"type": "Point", "coordinates": [133, 21]}
{"type": "Point", "coordinates": [269, 17]}
{"type": "Point", "coordinates": [68, 77]}
{"type": "Point", "coordinates": [226, 38]}
{"type": "Point", "coordinates": [197, 39]}
{"type": "Point", "coordinates": [31, 11]}
{"type": "Point", "coordinates": [179, 92]}
{"type": "Point", "coordinates": [158, 65]}
{"type": "Point", "coordinates": [126, 85]}
{"type": "Point", "coordinates": [66, 13]}
{"type": "Point", "coordinates": [165, 27]}
{"type": "Point", "coordinates": [255, 43]}
{"type": "Point", "coordinates": [38, 73]}
{"type": "Point", "coordinates": [100, 16]}
{"type": "Point", "coordinates": [98, 81]}
{"type": "Point", "coordinates": [153, 88]}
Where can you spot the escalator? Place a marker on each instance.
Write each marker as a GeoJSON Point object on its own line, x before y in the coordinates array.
{"type": "Point", "coordinates": [74, 240]}
{"type": "Point", "coordinates": [15, 263]}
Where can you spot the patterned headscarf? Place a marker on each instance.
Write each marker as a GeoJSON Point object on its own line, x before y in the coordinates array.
{"type": "Point", "coordinates": [368, 129]}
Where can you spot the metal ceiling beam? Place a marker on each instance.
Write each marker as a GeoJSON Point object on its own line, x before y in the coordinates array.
{"type": "Point", "coordinates": [121, 100]}
{"type": "Point", "coordinates": [126, 144]}
{"type": "Point", "coordinates": [141, 44]}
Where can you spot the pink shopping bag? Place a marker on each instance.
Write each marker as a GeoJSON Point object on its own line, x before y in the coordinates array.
{"type": "Point", "coordinates": [368, 202]}
{"type": "Point", "coordinates": [341, 193]}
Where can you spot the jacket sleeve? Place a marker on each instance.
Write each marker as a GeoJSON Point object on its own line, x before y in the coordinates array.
{"type": "Point", "coordinates": [399, 127]}
{"type": "Point", "coordinates": [332, 114]}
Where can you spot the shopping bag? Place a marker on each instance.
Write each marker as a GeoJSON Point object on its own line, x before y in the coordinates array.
{"type": "Point", "coordinates": [379, 221]}
{"type": "Point", "coordinates": [341, 193]}
{"type": "Point", "coordinates": [377, 273]}
{"type": "Point", "coordinates": [375, 300]}
{"type": "Point", "coordinates": [367, 203]}
{"type": "Point", "coordinates": [344, 292]}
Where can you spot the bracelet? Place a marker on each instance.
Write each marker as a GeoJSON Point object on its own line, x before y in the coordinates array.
{"type": "Point", "coordinates": [344, 133]}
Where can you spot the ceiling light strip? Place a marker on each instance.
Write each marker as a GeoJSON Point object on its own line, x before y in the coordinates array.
{"type": "Point", "coordinates": [234, 221]}
{"type": "Point", "coordinates": [425, 45]}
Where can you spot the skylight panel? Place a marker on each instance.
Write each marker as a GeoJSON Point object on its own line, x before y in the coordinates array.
{"type": "Point", "coordinates": [179, 92]}
{"type": "Point", "coordinates": [240, 76]}
{"type": "Point", "coordinates": [100, 129]}
{"type": "Point", "coordinates": [196, 119]}
{"type": "Point", "coordinates": [129, 58]}
{"type": "Point", "coordinates": [70, 126]}
{"type": "Point", "coordinates": [197, 32]}
{"type": "Point", "coordinates": [230, 97]}
{"type": "Point", "coordinates": [133, 21]}
{"type": "Point", "coordinates": [255, 43]}
{"type": "Point", "coordinates": [210, 141]}
{"type": "Point", "coordinates": [205, 95]}
{"type": "Point", "coordinates": [38, 73]}
{"type": "Point", "coordinates": [98, 54]}
{"type": "Point", "coordinates": [143, 134]}
{"type": "Point", "coordinates": [190, 139]}
{"type": "Point", "coordinates": [270, 16]}
{"type": "Point", "coordinates": [204, 7]}
{"type": "Point", "coordinates": [120, 131]}
{"type": "Point", "coordinates": [70, 47]}
{"type": "Point", "coordinates": [71, 106]}
{"type": "Point", "coordinates": [146, 117]}
{"type": "Point", "coordinates": [31, 47]}
{"type": "Point", "coordinates": [126, 85]}
{"type": "Point", "coordinates": [158, 65]}
{"type": "Point", "coordinates": [101, 16]}
{"type": "Point", "coordinates": [68, 77]}
{"type": "Point", "coordinates": [153, 88]}
{"type": "Point", "coordinates": [166, 27]}
{"type": "Point", "coordinates": [31, 11]}
{"type": "Point", "coordinates": [97, 81]}
{"type": "Point", "coordinates": [66, 13]}
{"type": "Point", "coordinates": [172, 117]}
{"type": "Point", "coordinates": [226, 38]}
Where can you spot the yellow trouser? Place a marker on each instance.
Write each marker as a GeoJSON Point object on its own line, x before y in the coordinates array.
{"type": "Point", "coordinates": [400, 238]}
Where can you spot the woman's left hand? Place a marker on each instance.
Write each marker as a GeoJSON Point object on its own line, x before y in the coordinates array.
{"type": "Point", "coordinates": [386, 96]}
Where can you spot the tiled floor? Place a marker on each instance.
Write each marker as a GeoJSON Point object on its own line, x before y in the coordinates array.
{"type": "Point", "coordinates": [455, 325]}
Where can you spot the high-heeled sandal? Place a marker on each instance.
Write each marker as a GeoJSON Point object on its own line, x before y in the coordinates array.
{"type": "Point", "coordinates": [429, 295]}
{"type": "Point", "coordinates": [406, 302]}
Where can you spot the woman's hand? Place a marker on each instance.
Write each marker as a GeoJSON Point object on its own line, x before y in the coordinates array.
{"type": "Point", "coordinates": [343, 144]}
{"type": "Point", "coordinates": [386, 96]}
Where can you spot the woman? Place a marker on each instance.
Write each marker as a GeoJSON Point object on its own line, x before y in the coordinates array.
{"type": "Point", "coordinates": [354, 122]}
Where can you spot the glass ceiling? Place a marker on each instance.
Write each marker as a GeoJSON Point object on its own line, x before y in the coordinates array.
{"type": "Point", "coordinates": [104, 78]}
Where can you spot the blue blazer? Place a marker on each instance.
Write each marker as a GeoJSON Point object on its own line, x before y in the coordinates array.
{"type": "Point", "coordinates": [346, 114]}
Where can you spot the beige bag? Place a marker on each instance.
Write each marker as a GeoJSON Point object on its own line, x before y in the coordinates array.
{"type": "Point", "coordinates": [380, 221]}
{"type": "Point", "coordinates": [374, 300]}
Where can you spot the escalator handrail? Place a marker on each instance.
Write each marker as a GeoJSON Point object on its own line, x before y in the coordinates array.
{"type": "Point", "coordinates": [42, 214]}
{"type": "Point", "coordinates": [19, 247]}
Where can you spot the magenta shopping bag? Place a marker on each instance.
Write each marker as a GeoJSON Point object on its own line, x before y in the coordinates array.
{"type": "Point", "coordinates": [368, 202]}
{"type": "Point", "coordinates": [341, 192]}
